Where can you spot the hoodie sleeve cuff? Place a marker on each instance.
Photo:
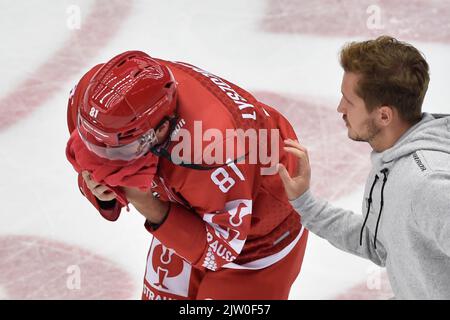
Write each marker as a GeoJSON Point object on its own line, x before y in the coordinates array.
{"type": "Point", "coordinates": [306, 205]}
{"type": "Point", "coordinates": [304, 201]}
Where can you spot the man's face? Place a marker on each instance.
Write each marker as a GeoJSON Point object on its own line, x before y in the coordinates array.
{"type": "Point", "coordinates": [360, 123]}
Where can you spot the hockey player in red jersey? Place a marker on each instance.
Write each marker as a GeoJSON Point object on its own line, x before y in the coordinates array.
{"type": "Point", "coordinates": [221, 229]}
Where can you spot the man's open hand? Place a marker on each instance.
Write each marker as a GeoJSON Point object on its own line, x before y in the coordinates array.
{"type": "Point", "coordinates": [298, 184]}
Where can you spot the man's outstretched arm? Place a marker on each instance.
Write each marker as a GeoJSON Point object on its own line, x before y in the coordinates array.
{"type": "Point", "coordinates": [339, 226]}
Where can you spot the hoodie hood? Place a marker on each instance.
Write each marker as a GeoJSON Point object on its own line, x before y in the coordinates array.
{"type": "Point", "coordinates": [430, 133]}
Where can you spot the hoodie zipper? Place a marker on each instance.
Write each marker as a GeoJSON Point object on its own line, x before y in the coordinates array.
{"type": "Point", "coordinates": [384, 172]}
{"type": "Point", "coordinates": [369, 203]}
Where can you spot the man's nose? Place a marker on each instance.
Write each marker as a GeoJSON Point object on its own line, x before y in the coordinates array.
{"type": "Point", "coordinates": [340, 108]}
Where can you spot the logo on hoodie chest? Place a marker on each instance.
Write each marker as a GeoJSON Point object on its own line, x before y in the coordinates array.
{"type": "Point", "coordinates": [418, 162]}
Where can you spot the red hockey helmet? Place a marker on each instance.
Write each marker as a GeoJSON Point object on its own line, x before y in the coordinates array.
{"type": "Point", "coordinates": [124, 103]}
{"type": "Point", "coordinates": [76, 96]}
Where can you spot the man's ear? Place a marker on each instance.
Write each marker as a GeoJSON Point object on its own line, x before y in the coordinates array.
{"type": "Point", "coordinates": [386, 115]}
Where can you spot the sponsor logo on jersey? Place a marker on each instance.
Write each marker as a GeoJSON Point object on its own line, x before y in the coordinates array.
{"type": "Point", "coordinates": [166, 272]}
{"type": "Point", "coordinates": [224, 232]}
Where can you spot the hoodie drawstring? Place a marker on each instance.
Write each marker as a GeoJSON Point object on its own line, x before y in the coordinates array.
{"type": "Point", "coordinates": [384, 172]}
{"type": "Point", "coordinates": [369, 203]}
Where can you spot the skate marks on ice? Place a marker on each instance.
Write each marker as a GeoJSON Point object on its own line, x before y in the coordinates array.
{"type": "Point", "coordinates": [409, 20]}
{"type": "Point", "coordinates": [338, 164]}
{"type": "Point", "coordinates": [38, 268]}
{"type": "Point", "coordinates": [97, 29]}
{"type": "Point", "coordinates": [375, 288]}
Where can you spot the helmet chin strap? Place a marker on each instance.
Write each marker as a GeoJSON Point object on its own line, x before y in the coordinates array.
{"type": "Point", "coordinates": [172, 123]}
{"type": "Point", "coordinates": [159, 150]}
{"type": "Point", "coordinates": [162, 152]}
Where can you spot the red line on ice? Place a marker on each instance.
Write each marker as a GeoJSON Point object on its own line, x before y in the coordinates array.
{"type": "Point", "coordinates": [39, 268]}
{"type": "Point", "coordinates": [97, 29]}
{"type": "Point", "coordinates": [339, 165]}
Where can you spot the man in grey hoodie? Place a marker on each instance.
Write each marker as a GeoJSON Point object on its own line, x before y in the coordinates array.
{"type": "Point", "coordinates": [405, 225]}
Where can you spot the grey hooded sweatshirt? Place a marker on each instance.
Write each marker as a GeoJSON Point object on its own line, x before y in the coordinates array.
{"type": "Point", "coordinates": [405, 225]}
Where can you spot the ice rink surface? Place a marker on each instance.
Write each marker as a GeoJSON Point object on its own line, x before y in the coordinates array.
{"type": "Point", "coordinates": [283, 51]}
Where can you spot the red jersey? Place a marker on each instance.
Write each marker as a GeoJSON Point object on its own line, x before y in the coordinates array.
{"type": "Point", "coordinates": [229, 215]}
{"type": "Point", "coordinates": [226, 215]}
